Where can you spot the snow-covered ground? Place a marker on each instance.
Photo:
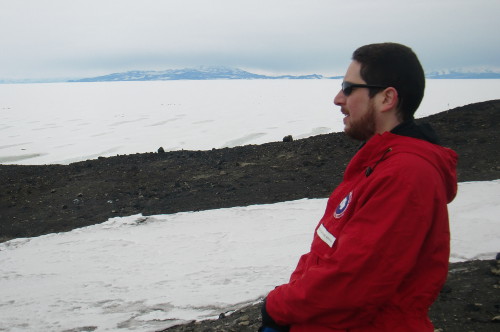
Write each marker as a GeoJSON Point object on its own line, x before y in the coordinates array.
{"type": "Point", "coordinates": [67, 122]}
{"type": "Point", "coordinates": [146, 273]}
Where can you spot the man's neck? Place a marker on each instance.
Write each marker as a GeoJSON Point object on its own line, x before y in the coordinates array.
{"type": "Point", "coordinates": [387, 126]}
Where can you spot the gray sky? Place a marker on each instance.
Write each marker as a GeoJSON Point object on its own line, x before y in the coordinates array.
{"type": "Point", "coordinates": [84, 38]}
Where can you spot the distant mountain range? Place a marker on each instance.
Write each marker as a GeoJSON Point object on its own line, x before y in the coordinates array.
{"type": "Point", "coordinates": [199, 73]}
{"type": "Point", "coordinates": [227, 73]}
{"type": "Point", "coordinates": [464, 74]}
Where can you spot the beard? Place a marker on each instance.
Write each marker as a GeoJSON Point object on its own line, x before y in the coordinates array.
{"type": "Point", "coordinates": [363, 128]}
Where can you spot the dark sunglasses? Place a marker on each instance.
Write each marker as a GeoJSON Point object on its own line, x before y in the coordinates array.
{"type": "Point", "coordinates": [347, 87]}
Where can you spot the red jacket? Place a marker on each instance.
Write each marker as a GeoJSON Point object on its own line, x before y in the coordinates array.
{"type": "Point", "coordinates": [380, 253]}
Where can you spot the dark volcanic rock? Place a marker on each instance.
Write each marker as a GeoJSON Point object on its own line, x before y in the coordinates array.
{"type": "Point", "coordinates": [37, 200]}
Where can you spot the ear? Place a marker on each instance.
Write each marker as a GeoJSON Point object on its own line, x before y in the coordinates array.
{"type": "Point", "coordinates": [388, 99]}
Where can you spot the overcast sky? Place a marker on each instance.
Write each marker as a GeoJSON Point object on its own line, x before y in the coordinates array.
{"type": "Point", "coordinates": [84, 38]}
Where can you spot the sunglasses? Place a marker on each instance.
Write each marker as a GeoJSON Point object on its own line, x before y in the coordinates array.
{"type": "Point", "coordinates": [347, 87]}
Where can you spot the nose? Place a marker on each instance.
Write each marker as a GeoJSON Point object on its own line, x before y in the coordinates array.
{"type": "Point", "coordinates": [339, 99]}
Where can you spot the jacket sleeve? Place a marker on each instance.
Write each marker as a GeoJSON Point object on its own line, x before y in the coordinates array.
{"type": "Point", "coordinates": [372, 255]}
{"type": "Point", "coordinates": [299, 270]}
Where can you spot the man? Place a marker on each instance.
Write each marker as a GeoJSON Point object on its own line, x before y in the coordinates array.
{"type": "Point", "coordinates": [379, 255]}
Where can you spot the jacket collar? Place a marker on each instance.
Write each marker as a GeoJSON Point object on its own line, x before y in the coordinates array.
{"type": "Point", "coordinates": [411, 129]}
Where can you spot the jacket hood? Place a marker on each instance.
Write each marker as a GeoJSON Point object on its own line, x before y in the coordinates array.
{"type": "Point", "coordinates": [420, 143]}
{"type": "Point", "coordinates": [423, 131]}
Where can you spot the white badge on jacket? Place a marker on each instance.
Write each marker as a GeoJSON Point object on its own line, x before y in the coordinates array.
{"type": "Point", "coordinates": [325, 235]}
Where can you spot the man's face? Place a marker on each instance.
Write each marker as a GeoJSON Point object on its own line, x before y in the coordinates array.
{"type": "Point", "coordinates": [358, 107]}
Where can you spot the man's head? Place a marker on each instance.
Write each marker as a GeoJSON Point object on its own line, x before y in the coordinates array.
{"type": "Point", "coordinates": [394, 87]}
{"type": "Point", "coordinates": [397, 66]}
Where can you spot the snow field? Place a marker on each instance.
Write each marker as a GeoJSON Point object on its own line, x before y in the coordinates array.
{"type": "Point", "coordinates": [141, 273]}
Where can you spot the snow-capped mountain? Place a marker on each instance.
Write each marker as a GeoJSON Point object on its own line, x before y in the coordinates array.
{"type": "Point", "coordinates": [228, 73]}
{"type": "Point", "coordinates": [465, 73]}
{"type": "Point", "coordinates": [199, 73]}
